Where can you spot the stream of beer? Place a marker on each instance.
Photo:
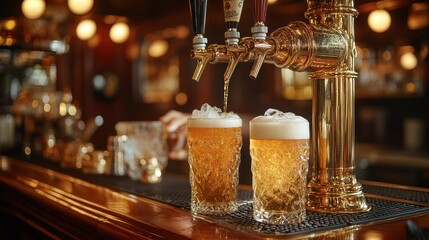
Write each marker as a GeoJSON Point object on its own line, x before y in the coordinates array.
{"type": "Point", "coordinates": [225, 95]}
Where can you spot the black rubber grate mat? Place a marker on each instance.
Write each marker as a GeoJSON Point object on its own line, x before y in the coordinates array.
{"type": "Point", "coordinates": [175, 190]}
{"type": "Point", "coordinates": [404, 194]}
{"type": "Point", "coordinates": [315, 222]}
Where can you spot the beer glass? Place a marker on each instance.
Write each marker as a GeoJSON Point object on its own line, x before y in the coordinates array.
{"type": "Point", "coordinates": [145, 149]}
{"type": "Point", "coordinates": [279, 148]}
{"type": "Point", "coordinates": [214, 157]}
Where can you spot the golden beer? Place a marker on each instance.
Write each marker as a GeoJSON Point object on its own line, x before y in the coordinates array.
{"type": "Point", "coordinates": [214, 158]}
{"type": "Point", "coordinates": [280, 152]}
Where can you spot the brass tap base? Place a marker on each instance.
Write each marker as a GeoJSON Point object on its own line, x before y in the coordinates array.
{"type": "Point", "coordinates": [343, 198]}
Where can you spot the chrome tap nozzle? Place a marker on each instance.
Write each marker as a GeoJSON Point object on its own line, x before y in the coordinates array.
{"type": "Point", "coordinates": [260, 49]}
{"type": "Point", "coordinates": [235, 53]}
{"type": "Point", "coordinates": [203, 57]}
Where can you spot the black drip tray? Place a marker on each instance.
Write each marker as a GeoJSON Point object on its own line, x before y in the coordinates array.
{"type": "Point", "coordinates": [175, 190]}
{"type": "Point", "coordinates": [403, 194]}
{"type": "Point", "coordinates": [316, 222]}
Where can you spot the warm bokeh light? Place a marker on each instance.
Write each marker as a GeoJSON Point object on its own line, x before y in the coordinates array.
{"type": "Point", "coordinates": [10, 24]}
{"type": "Point", "coordinates": [182, 32]}
{"type": "Point", "coordinates": [8, 41]}
{"type": "Point", "coordinates": [295, 85]}
{"type": "Point", "coordinates": [408, 60]}
{"type": "Point", "coordinates": [133, 51]}
{"type": "Point", "coordinates": [33, 9]}
{"type": "Point", "coordinates": [158, 48]}
{"type": "Point", "coordinates": [418, 16]}
{"type": "Point", "coordinates": [181, 98]}
{"type": "Point", "coordinates": [94, 41]}
{"type": "Point", "coordinates": [110, 19]}
{"type": "Point", "coordinates": [62, 109]}
{"type": "Point", "coordinates": [86, 29]}
{"type": "Point", "coordinates": [119, 32]}
{"type": "Point", "coordinates": [80, 6]}
{"type": "Point", "coordinates": [72, 110]}
{"type": "Point", "coordinates": [373, 235]}
{"type": "Point", "coordinates": [410, 87]}
{"type": "Point", "coordinates": [379, 20]}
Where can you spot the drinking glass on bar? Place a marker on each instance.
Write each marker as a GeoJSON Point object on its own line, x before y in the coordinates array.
{"type": "Point", "coordinates": [279, 148]}
{"type": "Point", "coordinates": [214, 141]}
{"type": "Point", "coordinates": [145, 149]}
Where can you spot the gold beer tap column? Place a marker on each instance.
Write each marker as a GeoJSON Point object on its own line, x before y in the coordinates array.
{"type": "Point", "coordinates": [333, 186]}
{"type": "Point", "coordinates": [326, 48]}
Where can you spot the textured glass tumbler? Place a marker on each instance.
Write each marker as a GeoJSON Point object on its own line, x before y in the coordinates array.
{"type": "Point", "coordinates": [214, 158]}
{"type": "Point", "coordinates": [280, 152]}
{"type": "Point", "coordinates": [145, 149]}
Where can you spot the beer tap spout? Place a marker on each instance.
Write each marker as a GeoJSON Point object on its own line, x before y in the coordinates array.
{"type": "Point", "coordinates": [203, 57]}
{"type": "Point", "coordinates": [199, 52]}
{"type": "Point", "coordinates": [260, 49]}
{"type": "Point", "coordinates": [234, 50]}
{"type": "Point", "coordinates": [235, 54]}
{"type": "Point", "coordinates": [258, 43]}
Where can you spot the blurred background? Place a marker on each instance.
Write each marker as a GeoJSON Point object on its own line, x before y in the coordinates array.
{"type": "Point", "coordinates": [128, 60]}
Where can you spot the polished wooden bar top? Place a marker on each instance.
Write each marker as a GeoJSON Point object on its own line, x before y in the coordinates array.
{"type": "Point", "coordinates": [62, 206]}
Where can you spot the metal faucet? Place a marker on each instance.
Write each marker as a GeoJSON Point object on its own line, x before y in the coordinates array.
{"type": "Point", "coordinates": [326, 48]}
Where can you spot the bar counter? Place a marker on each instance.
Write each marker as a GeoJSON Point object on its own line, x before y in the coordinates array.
{"type": "Point", "coordinates": [66, 204]}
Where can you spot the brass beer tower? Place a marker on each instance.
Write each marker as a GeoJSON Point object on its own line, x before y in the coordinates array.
{"type": "Point", "coordinates": [326, 48]}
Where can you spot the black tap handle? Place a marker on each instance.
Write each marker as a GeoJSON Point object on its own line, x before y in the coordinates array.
{"type": "Point", "coordinates": [232, 11]}
{"type": "Point", "coordinates": [260, 10]}
{"type": "Point", "coordinates": [198, 13]}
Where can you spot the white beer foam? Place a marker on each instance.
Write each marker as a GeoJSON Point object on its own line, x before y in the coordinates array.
{"type": "Point", "coordinates": [279, 126]}
{"type": "Point", "coordinates": [212, 117]}
{"type": "Point", "coordinates": [220, 122]}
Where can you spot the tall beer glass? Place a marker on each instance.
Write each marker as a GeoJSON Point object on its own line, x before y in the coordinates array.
{"type": "Point", "coordinates": [214, 157]}
{"type": "Point", "coordinates": [279, 147]}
